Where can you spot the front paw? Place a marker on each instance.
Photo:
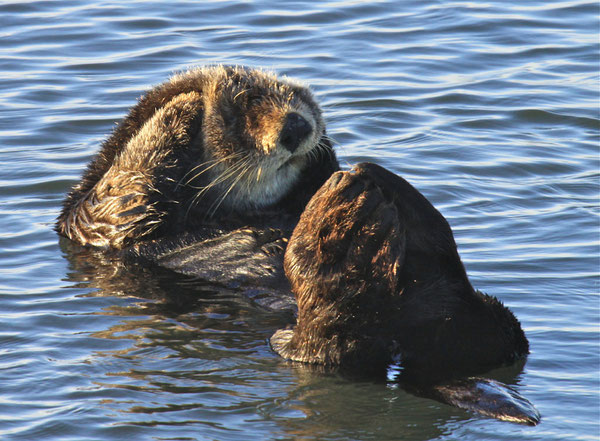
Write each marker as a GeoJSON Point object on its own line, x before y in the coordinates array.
{"type": "Point", "coordinates": [349, 235]}
{"type": "Point", "coordinates": [343, 262]}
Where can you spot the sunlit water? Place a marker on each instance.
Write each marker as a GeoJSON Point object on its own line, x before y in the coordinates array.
{"type": "Point", "coordinates": [489, 108]}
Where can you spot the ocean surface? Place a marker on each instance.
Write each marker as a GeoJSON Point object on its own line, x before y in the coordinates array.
{"type": "Point", "coordinates": [490, 108]}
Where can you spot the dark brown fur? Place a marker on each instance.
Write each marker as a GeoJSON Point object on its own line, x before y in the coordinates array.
{"type": "Point", "coordinates": [376, 275]}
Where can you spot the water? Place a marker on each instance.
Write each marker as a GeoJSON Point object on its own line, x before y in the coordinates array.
{"type": "Point", "coordinates": [491, 109]}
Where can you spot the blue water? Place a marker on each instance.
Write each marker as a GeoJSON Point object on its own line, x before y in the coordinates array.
{"type": "Point", "coordinates": [491, 109]}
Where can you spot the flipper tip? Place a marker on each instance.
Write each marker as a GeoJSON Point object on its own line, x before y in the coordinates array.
{"type": "Point", "coordinates": [490, 398]}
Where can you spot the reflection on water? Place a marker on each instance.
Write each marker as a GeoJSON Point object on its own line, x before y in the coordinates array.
{"type": "Point", "coordinates": [214, 368]}
{"type": "Point", "coordinates": [186, 322]}
{"type": "Point", "coordinates": [490, 109]}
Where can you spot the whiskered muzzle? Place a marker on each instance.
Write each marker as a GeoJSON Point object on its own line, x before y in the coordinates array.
{"type": "Point", "coordinates": [295, 130]}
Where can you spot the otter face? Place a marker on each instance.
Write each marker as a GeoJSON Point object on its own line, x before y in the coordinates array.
{"type": "Point", "coordinates": [258, 132]}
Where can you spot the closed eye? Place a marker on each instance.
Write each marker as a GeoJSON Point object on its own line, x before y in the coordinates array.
{"type": "Point", "coordinates": [254, 99]}
{"type": "Point", "coordinates": [228, 118]}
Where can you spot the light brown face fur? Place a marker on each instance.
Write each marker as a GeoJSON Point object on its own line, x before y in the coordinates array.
{"type": "Point", "coordinates": [245, 115]}
{"type": "Point", "coordinates": [209, 142]}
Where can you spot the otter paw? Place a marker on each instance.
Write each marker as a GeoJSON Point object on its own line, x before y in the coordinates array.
{"type": "Point", "coordinates": [349, 236]}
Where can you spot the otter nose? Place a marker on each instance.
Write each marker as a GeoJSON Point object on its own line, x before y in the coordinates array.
{"type": "Point", "coordinates": [294, 131]}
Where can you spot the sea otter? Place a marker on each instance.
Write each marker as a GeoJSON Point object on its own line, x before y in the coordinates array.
{"type": "Point", "coordinates": [213, 148]}
{"type": "Point", "coordinates": [211, 172]}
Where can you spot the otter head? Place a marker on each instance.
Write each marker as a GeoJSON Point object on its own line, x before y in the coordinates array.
{"type": "Point", "coordinates": [258, 132]}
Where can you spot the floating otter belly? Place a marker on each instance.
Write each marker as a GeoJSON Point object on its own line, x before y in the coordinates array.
{"type": "Point", "coordinates": [210, 173]}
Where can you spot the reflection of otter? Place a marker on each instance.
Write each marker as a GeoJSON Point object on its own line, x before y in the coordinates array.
{"type": "Point", "coordinates": [208, 176]}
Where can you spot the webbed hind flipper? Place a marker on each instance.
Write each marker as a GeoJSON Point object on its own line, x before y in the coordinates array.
{"type": "Point", "coordinates": [486, 397]}
{"type": "Point", "coordinates": [344, 262]}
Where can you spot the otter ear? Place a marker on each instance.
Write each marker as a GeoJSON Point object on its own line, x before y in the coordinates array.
{"type": "Point", "coordinates": [227, 114]}
{"type": "Point", "coordinates": [253, 98]}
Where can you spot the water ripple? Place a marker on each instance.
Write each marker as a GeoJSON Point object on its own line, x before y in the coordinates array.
{"type": "Point", "coordinates": [490, 109]}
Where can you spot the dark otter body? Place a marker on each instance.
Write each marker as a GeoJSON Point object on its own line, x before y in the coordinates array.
{"type": "Point", "coordinates": [209, 174]}
{"type": "Point", "coordinates": [378, 279]}
{"type": "Point", "coordinates": [376, 274]}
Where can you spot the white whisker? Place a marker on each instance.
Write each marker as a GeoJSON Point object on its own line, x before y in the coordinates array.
{"type": "Point", "coordinates": [223, 177]}
{"type": "Point", "coordinates": [234, 183]}
{"type": "Point", "coordinates": [214, 162]}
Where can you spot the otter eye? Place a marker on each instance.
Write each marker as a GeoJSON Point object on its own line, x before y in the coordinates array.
{"type": "Point", "coordinates": [254, 99]}
{"type": "Point", "coordinates": [228, 118]}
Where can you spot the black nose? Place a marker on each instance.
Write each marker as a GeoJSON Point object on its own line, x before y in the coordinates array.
{"type": "Point", "coordinates": [294, 131]}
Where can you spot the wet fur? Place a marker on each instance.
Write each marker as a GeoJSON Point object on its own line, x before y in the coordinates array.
{"type": "Point", "coordinates": [377, 275]}
{"type": "Point", "coordinates": [200, 147]}
{"type": "Point", "coordinates": [196, 179]}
